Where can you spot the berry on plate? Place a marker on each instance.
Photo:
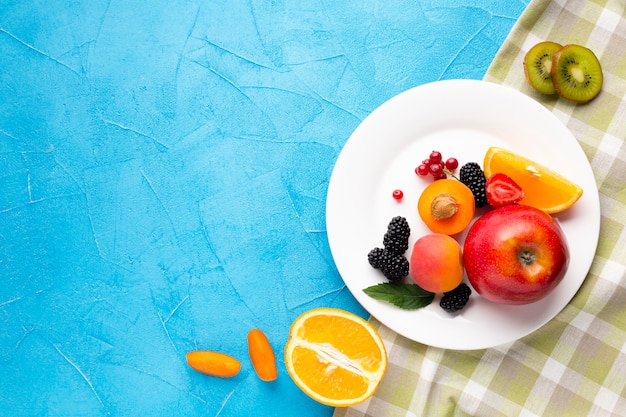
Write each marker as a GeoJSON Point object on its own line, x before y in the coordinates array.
{"type": "Point", "coordinates": [501, 190]}
{"type": "Point", "coordinates": [455, 300]}
{"type": "Point", "coordinates": [473, 176]}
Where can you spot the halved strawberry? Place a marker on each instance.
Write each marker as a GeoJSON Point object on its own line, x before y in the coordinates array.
{"type": "Point", "coordinates": [501, 190]}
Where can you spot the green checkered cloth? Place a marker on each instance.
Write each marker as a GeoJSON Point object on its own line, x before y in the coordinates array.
{"type": "Point", "coordinates": [576, 364]}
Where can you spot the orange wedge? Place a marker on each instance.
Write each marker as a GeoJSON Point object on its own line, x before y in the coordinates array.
{"type": "Point", "coordinates": [543, 188]}
{"type": "Point", "coordinates": [335, 357]}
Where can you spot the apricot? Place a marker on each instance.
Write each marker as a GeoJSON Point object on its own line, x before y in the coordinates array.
{"type": "Point", "coordinates": [436, 262]}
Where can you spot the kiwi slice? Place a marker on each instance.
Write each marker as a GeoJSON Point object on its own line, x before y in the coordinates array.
{"type": "Point", "coordinates": [576, 73]}
{"type": "Point", "coordinates": [538, 64]}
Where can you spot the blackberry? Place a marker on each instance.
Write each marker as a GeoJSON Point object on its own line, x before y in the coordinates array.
{"type": "Point", "coordinates": [393, 266]}
{"type": "Point", "coordinates": [390, 260]}
{"type": "Point", "coordinates": [374, 257]}
{"type": "Point", "coordinates": [473, 176]}
{"type": "Point", "coordinates": [455, 300]}
{"type": "Point", "coordinates": [396, 240]}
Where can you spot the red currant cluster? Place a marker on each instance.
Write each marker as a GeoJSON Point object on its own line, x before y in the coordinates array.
{"type": "Point", "coordinates": [436, 166]}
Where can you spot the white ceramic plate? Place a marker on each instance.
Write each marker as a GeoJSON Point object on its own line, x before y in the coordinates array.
{"type": "Point", "coordinates": [459, 118]}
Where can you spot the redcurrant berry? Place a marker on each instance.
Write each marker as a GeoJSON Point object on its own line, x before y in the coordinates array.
{"type": "Point", "coordinates": [435, 156]}
{"type": "Point", "coordinates": [422, 170]}
{"type": "Point", "coordinates": [452, 164]}
{"type": "Point", "coordinates": [397, 194]}
{"type": "Point", "coordinates": [435, 170]}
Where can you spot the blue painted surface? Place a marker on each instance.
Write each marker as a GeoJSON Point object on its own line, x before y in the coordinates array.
{"type": "Point", "coordinates": [163, 173]}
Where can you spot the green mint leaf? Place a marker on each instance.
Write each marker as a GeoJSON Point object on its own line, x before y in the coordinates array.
{"type": "Point", "coordinates": [405, 296]}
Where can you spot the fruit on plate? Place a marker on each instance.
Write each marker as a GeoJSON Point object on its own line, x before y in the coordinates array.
{"type": "Point", "coordinates": [335, 357]}
{"type": "Point", "coordinates": [436, 262]}
{"type": "Point", "coordinates": [396, 238]}
{"type": "Point", "coordinates": [394, 267]}
{"type": "Point", "coordinates": [390, 259]}
{"type": "Point", "coordinates": [543, 188]}
{"type": "Point", "coordinates": [446, 206]}
{"type": "Point", "coordinates": [436, 167]}
{"type": "Point", "coordinates": [538, 64]}
{"type": "Point", "coordinates": [576, 73]}
{"type": "Point", "coordinates": [501, 190]}
{"type": "Point", "coordinates": [456, 300]}
{"type": "Point", "coordinates": [472, 175]}
{"type": "Point", "coordinates": [515, 254]}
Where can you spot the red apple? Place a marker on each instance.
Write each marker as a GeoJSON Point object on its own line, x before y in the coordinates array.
{"type": "Point", "coordinates": [515, 254]}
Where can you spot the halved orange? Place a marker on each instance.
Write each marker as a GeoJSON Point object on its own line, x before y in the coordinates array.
{"type": "Point", "coordinates": [543, 188]}
{"type": "Point", "coordinates": [335, 357]}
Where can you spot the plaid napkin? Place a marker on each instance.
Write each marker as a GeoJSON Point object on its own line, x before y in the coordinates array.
{"type": "Point", "coordinates": [576, 364]}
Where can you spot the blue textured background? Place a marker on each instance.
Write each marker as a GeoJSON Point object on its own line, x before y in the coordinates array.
{"type": "Point", "coordinates": [163, 173]}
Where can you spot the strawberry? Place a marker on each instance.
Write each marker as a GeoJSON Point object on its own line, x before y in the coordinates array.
{"type": "Point", "coordinates": [501, 190]}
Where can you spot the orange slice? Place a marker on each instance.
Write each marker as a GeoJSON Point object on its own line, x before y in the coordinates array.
{"type": "Point", "coordinates": [543, 188]}
{"type": "Point", "coordinates": [335, 357]}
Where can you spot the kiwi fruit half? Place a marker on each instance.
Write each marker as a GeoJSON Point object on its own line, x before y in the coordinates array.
{"type": "Point", "coordinates": [576, 73]}
{"type": "Point", "coordinates": [538, 64]}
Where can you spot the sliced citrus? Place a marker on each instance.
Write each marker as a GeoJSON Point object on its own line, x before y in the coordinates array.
{"type": "Point", "coordinates": [335, 357]}
{"type": "Point", "coordinates": [543, 188]}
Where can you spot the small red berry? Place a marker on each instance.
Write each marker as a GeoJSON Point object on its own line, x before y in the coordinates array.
{"type": "Point", "coordinates": [436, 170]}
{"type": "Point", "coordinates": [398, 194]}
{"type": "Point", "coordinates": [422, 170]}
{"type": "Point", "coordinates": [435, 156]}
{"type": "Point", "coordinates": [452, 164]}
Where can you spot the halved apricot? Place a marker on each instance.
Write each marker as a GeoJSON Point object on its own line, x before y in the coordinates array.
{"type": "Point", "coordinates": [446, 206]}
